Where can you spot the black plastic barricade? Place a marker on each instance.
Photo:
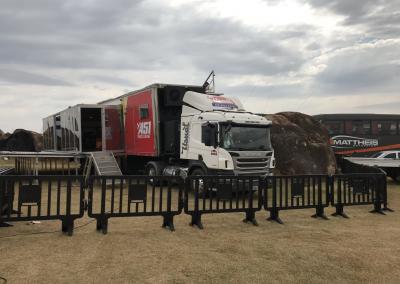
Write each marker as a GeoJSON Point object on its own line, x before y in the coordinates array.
{"type": "Point", "coordinates": [35, 198]}
{"type": "Point", "coordinates": [358, 189]}
{"type": "Point", "coordinates": [223, 194]}
{"type": "Point", "coordinates": [134, 196]}
{"type": "Point", "coordinates": [296, 192]}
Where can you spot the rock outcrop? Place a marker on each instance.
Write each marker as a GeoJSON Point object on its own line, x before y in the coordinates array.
{"type": "Point", "coordinates": [301, 145]}
{"type": "Point", "coordinates": [3, 135]}
{"type": "Point", "coordinates": [21, 140]}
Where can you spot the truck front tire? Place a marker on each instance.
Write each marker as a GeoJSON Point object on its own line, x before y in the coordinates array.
{"type": "Point", "coordinates": [202, 191]}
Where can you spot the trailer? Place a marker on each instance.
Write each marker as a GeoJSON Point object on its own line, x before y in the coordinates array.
{"type": "Point", "coordinates": [84, 128]}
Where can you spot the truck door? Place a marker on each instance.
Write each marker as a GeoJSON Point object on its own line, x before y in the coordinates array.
{"type": "Point", "coordinates": [199, 142]}
{"type": "Point", "coordinates": [209, 139]}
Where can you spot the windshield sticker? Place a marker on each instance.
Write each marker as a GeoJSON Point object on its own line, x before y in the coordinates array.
{"type": "Point", "coordinates": [343, 142]}
{"type": "Point", "coordinates": [222, 103]}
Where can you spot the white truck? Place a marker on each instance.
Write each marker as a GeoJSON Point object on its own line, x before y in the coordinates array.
{"type": "Point", "coordinates": [219, 137]}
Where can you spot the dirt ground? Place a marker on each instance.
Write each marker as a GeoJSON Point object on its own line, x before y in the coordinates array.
{"type": "Point", "coordinates": [364, 248]}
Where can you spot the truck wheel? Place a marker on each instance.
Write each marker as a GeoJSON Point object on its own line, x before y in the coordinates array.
{"type": "Point", "coordinates": [153, 169]}
{"type": "Point", "coordinates": [203, 192]}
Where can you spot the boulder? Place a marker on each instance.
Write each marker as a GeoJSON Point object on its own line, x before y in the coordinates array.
{"type": "Point", "coordinates": [22, 140]}
{"type": "Point", "coordinates": [301, 145]}
{"type": "Point", "coordinates": [3, 135]}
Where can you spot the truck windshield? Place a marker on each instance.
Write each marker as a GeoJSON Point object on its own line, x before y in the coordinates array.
{"type": "Point", "coordinates": [245, 138]}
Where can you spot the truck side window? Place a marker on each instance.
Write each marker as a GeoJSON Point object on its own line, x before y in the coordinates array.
{"type": "Point", "coordinates": [143, 112]}
{"type": "Point", "coordinates": [390, 156]}
{"type": "Point", "coordinates": [208, 134]}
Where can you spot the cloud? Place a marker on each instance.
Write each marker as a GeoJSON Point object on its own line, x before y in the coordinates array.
{"type": "Point", "coordinates": [10, 76]}
{"type": "Point", "coordinates": [307, 55]}
{"type": "Point", "coordinates": [379, 18]}
{"type": "Point", "coordinates": [392, 106]}
{"type": "Point", "coordinates": [140, 36]}
{"type": "Point", "coordinates": [371, 68]}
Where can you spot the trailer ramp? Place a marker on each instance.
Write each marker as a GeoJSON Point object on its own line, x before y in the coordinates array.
{"type": "Point", "coordinates": [104, 164]}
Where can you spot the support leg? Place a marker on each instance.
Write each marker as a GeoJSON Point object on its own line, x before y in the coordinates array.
{"type": "Point", "coordinates": [340, 212]}
{"type": "Point", "coordinates": [196, 221]}
{"type": "Point", "coordinates": [386, 208]}
{"type": "Point", "coordinates": [168, 222]}
{"type": "Point", "coordinates": [377, 209]}
{"type": "Point", "coordinates": [319, 213]}
{"type": "Point", "coordinates": [64, 226]}
{"type": "Point", "coordinates": [70, 227]}
{"type": "Point", "coordinates": [5, 225]}
{"type": "Point", "coordinates": [274, 216]}
{"type": "Point", "coordinates": [104, 226]}
{"type": "Point", "coordinates": [251, 218]}
{"type": "Point", "coordinates": [98, 224]}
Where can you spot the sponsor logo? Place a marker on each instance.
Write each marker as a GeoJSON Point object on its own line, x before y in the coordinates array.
{"type": "Point", "coordinates": [144, 129]}
{"type": "Point", "coordinates": [343, 142]}
{"type": "Point", "coordinates": [186, 135]}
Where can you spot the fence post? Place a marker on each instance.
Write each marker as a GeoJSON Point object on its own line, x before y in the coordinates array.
{"type": "Point", "coordinates": [6, 192]}
{"type": "Point", "coordinates": [385, 202]}
{"type": "Point", "coordinates": [196, 216]}
{"type": "Point", "coordinates": [67, 226]}
{"type": "Point", "coordinates": [339, 203]}
{"type": "Point", "coordinates": [168, 218]}
{"type": "Point", "coordinates": [378, 189]}
{"type": "Point", "coordinates": [250, 213]}
{"type": "Point", "coordinates": [274, 212]}
{"type": "Point", "coordinates": [319, 210]}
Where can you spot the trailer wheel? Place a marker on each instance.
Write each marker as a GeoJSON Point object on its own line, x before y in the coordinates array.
{"type": "Point", "coordinates": [203, 192]}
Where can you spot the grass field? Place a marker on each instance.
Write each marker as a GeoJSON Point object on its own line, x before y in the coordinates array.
{"type": "Point", "coordinates": [364, 248]}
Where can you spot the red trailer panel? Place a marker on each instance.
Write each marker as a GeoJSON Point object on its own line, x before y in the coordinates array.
{"type": "Point", "coordinates": [140, 124]}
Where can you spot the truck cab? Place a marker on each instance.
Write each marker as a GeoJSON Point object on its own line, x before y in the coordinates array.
{"type": "Point", "coordinates": [219, 137]}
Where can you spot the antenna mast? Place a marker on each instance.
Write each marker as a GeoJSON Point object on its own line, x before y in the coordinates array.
{"type": "Point", "coordinates": [209, 83]}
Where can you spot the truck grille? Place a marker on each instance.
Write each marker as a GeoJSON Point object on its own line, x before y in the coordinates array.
{"type": "Point", "coordinates": [250, 165]}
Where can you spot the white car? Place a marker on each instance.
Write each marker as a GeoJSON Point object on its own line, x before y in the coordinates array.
{"type": "Point", "coordinates": [389, 161]}
{"type": "Point", "coordinates": [387, 155]}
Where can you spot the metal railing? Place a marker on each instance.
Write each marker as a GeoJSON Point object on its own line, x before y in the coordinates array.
{"type": "Point", "coordinates": [296, 192]}
{"type": "Point", "coordinates": [134, 196]}
{"type": "Point", "coordinates": [30, 198]}
{"type": "Point", "coordinates": [223, 194]}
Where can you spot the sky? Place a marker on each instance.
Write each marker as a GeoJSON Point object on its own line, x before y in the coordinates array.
{"type": "Point", "coordinates": [311, 56]}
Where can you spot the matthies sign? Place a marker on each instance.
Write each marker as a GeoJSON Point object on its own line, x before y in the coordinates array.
{"type": "Point", "coordinates": [343, 141]}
